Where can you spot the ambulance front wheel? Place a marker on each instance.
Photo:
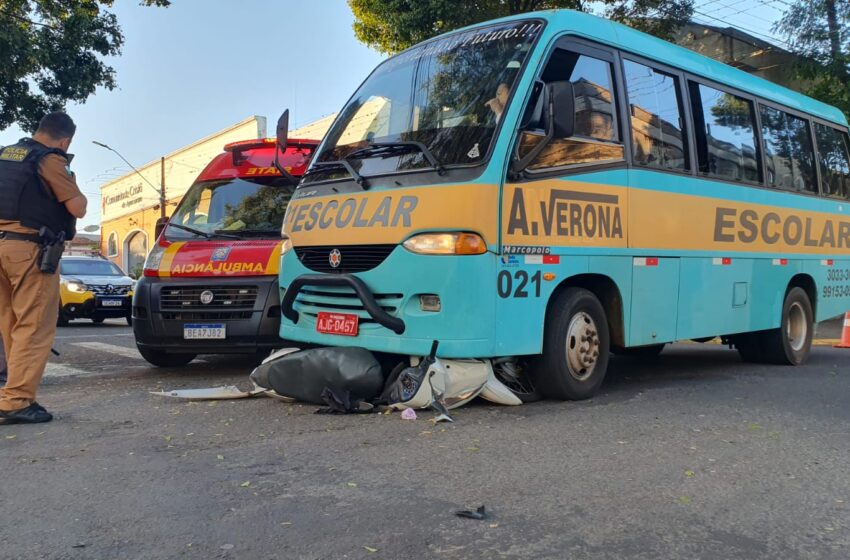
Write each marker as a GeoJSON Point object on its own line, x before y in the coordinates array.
{"type": "Point", "coordinates": [163, 359]}
{"type": "Point", "coordinates": [576, 346]}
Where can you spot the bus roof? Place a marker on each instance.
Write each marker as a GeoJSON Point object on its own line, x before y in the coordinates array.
{"type": "Point", "coordinates": [631, 40]}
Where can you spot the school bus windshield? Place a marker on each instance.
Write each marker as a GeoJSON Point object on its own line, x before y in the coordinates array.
{"type": "Point", "coordinates": [448, 95]}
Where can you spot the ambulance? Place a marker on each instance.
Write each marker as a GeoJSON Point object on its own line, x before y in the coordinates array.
{"type": "Point", "coordinates": [210, 282]}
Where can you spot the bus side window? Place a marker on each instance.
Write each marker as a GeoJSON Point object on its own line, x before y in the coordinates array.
{"type": "Point", "coordinates": [725, 130]}
{"type": "Point", "coordinates": [597, 138]}
{"type": "Point", "coordinates": [834, 161]}
{"type": "Point", "coordinates": [655, 108]}
{"type": "Point", "coordinates": [788, 151]}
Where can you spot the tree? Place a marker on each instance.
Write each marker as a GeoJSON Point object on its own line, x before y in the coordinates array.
{"type": "Point", "coordinates": [391, 26]}
{"type": "Point", "coordinates": [819, 32]}
{"type": "Point", "coordinates": [52, 53]}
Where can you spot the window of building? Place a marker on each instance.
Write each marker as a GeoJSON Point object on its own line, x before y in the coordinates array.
{"type": "Point", "coordinates": [112, 245]}
{"type": "Point", "coordinates": [834, 161]}
{"type": "Point", "coordinates": [788, 151]}
{"type": "Point", "coordinates": [725, 132]}
{"type": "Point", "coordinates": [658, 132]}
{"type": "Point", "coordinates": [597, 136]}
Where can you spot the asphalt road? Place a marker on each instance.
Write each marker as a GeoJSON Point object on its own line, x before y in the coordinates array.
{"type": "Point", "coordinates": [693, 456]}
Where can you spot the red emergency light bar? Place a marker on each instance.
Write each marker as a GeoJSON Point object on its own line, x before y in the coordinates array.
{"type": "Point", "coordinates": [237, 148]}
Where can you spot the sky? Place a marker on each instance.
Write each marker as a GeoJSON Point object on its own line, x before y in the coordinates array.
{"type": "Point", "coordinates": [202, 65]}
{"type": "Point", "coordinates": [199, 66]}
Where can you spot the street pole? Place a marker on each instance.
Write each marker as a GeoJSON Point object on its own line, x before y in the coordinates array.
{"type": "Point", "coordinates": [116, 152]}
{"type": "Point", "coordinates": [162, 188]}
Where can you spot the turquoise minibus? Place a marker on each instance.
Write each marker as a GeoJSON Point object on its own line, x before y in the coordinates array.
{"type": "Point", "coordinates": [544, 190]}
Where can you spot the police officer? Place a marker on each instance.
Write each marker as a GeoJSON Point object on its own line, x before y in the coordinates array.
{"type": "Point", "coordinates": [2, 363]}
{"type": "Point", "coordinates": [39, 199]}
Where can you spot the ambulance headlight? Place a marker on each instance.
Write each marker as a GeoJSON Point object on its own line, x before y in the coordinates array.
{"type": "Point", "coordinates": [77, 287]}
{"type": "Point", "coordinates": [154, 260]}
{"type": "Point", "coordinates": [457, 243]}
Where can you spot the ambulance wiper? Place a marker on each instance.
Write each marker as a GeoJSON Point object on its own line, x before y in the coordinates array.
{"type": "Point", "coordinates": [393, 148]}
{"type": "Point", "coordinates": [340, 164]}
{"type": "Point", "coordinates": [241, 232]}
{"type": "Point", "coordinates": [199, 232]}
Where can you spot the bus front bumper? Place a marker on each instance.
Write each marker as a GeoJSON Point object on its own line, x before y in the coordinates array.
{"type": "Point", "coordinates": [389, 306]}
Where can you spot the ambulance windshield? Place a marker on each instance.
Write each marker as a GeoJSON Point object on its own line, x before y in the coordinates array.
{"type": "Point", "coordinates": [447, 95]}
{"type": "Point", "coordinates": [231, 208]}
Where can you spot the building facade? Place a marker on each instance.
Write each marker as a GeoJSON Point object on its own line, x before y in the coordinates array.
{"type": "Point", "coordinates": [130, 205]}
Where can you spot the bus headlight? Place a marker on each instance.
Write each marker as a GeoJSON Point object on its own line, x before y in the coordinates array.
{"type": "Point", "coordinates": [458, 243]}
{"type": "Point", "coordinates": [286, 246]}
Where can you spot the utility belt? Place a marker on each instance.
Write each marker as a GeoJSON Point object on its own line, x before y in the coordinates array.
{"type": "Point", "coordinates": [50, 246]}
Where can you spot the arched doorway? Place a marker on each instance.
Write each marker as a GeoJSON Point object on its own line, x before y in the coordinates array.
{"type": "Point", "coordinates": [135, 252]}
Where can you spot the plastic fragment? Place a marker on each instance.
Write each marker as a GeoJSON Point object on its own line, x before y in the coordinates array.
{"type": "Point", "coordinates": [408, 414]}
{"type": "Point", "coordinates": [478, 514]}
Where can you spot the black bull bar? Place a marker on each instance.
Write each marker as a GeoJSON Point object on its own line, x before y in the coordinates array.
{"type": "Point", "coordinates": [339, 280]}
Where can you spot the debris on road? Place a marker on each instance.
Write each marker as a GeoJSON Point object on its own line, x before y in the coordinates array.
{"type": "Point", "coordinates": [408, 414]}
{"type": "Point", "coordinates": [478, 514]}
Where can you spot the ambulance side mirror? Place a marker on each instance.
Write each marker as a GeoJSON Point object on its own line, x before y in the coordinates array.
{"type": "Point", "coordinates": [282, 139]}
{"type": "Point", "coordinates": [159, 226]}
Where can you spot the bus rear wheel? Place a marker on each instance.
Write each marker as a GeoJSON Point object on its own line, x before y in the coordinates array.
{"type": "Point", "coordinates": [791, 343]}
{"type": "Point", "coordinates": [576, 347]}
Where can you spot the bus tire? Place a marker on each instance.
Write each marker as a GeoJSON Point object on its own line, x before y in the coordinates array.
{"type": "Point", "coordinates": [645, 352]}
{"type": "Point", "coordinates": [159, 358]}
{"type": "Point", "coordinates": [576, 345]}
{"type": "Point", "coordinates": [791, 343]}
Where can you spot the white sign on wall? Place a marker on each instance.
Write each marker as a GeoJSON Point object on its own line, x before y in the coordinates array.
{"type": "Point", "coordinates": [131, 193]}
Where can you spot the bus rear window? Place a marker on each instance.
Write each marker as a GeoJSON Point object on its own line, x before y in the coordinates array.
{"type": "Point", "coordinates": [834, 161]}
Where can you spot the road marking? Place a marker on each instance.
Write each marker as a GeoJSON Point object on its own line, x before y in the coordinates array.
{"type": "Point", "coordinates": [104, 335]}
{"type": "Point", "coordinates": [62, 370]}
{"type": "Point", "coordinates": [122, 351]}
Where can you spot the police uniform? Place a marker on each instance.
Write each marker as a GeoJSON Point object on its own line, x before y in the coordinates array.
{"type": "Point", "coordinates": [35, 182]}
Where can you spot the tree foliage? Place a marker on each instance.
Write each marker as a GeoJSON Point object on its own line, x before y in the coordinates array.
{"type": "Point", "coordinates": [391, 26]}
{"type": "Point", "coordinates": [52, 53]}
{"type": "Point", "coordinates": [819, 31]}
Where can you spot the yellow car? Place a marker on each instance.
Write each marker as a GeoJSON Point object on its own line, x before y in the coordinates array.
{"type": "Point", "coordinates": [93, 288]}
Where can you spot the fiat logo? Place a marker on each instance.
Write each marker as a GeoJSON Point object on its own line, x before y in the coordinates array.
{"type": "Point", "coordinates": [207, 297]}
{"type": "Point", "coordinates": [335, 258]}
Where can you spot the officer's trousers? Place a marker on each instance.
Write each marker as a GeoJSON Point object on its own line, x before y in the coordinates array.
{"type": "Point", "coordinates": [29, 303]}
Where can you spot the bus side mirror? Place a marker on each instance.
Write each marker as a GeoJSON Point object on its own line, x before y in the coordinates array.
{"type": "Point", "coordinates": [562, 103]}
{"type": "Point", "coordinates": [159, 226]}
{"type": "Point", "coordinates": [282, 139]}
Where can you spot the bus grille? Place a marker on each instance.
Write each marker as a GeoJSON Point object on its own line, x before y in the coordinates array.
{"type": "Point", "coordinates": [224, 297]}
{"type": "Point", "coordinates": [313, 300]}
{"type": "Point", "coordinates": [354, 258]}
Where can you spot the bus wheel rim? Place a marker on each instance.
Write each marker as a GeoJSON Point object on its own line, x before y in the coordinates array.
{"type": "Point", "coordinates": [582, 346]}
{"type": "Point", "coordinates": [797, 329]}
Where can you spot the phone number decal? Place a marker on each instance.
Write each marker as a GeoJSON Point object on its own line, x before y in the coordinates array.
{"type": "Point", "coordinates": [838, 275]}
{"type": "Point", "coordinates": [836, 291]}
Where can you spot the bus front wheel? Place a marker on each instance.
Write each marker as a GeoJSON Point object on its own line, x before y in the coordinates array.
{"type": "Point", "coordinates": [576, 347]}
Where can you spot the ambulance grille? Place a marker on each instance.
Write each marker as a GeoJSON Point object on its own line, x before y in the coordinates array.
{"type": "Point", "coordinates": [224, 297]}
{"type": "Point", "coordinates": [354, 258]}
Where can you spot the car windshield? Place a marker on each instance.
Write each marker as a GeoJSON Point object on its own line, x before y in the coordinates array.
{"type": "Point", "coordinates": [89, 268]}
{"type": "Point", "coordinates": [448, 95]}
{"type": "Point", "coordinates": [231, 208]}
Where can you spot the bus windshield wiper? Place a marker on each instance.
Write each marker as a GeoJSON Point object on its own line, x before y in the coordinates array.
{"type": "Point", "coordinates": [392, 148]}
{"type": "Point", "coordinates": [340, 164]}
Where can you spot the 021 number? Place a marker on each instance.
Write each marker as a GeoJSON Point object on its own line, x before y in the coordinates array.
{"type": "Point", "coordinates": [514, 285]}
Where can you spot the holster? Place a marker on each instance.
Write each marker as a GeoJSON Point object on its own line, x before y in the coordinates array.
{"type": "Point", "coordinates": [50, 249]}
